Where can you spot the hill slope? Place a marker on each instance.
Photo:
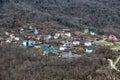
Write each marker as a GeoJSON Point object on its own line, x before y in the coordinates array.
{"type": "Point", "coordinates": [103, 15]}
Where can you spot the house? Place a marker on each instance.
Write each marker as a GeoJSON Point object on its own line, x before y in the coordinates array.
{"type": "Point", "coordinates": [27, 43]}
{"type": "Point", "coordinates": [62, 48]}
{"type": "Point", "coordinates": [38, 37]}
{"type": "Point", "coordinates": [68, 34]}
{"type": "Point", "coordinates": [76, 33]}
{"type": "Point", "coordinates": [12, 35]}
{"type": "Point", "coordinates": [30, 27]}
{"type": "Point", "coordinates": [17, 38]}
{"type": "Point", "coordinates": [36, 31]}
{"type": "Point", "coordinates": [76, 43]}
{"type": "Point", "coordinates": [92, 33]}
{"type": "Point", "coordinates": [57, 35]}
{"type": "Point", "coordinates": [67, 44]}
{"type": "Point", "coordinates": [12, 38]}
{"type": "Point", "coordinates": [65, 33]}
{"type": "Point", "coordinates": [8, 40]}
{"type": "Point", "coordinates": [113, 37]}
{"type": "Point", "coordinates": [89, 50]}
{"type": "Point", "coordinates": [61, 34]}
{"type": "Point", "coordinates": [87, 43]}
{"type": "Point", "coordinates": [86, 31]}
{"type": "Point", "coordinates": [21, 30]}
{"type": "Point", "coordinates": [81, 49]}
{"type": "Point", "coordinates": [7, 33]}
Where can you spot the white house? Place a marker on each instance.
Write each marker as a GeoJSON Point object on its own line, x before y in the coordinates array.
{"type": "Point", "coordinates": [17, 38]}
{"type": "Point", "coordinates": [87, 43]}
{"type": "Point", "coordinates": [30, 27]}
{"type": "Point", "coordinates": [12, 36]}
{"type": "Point", "coordinates": [76, 43]}
{"type": "Point", "coordinates": [36, 31]}
{"type": "Point", "coordinates": [56, 36]}
{"type": "Point", "coordinates": [7, 33]}
{"type": "Point", "coordinates": [92, 33]}
{"type": "Point", "coordinates": [62, 48]}
{"type": "Point", "coordinates": [21, 30]}
{"type": "Point", "coordinates": [8, 40]}
{"type": "Point", "coordinates": [68, 34]}
{"type": "Point", "coordinates": [86, 31]}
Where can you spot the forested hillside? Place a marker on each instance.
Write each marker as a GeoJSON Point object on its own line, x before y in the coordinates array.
{"type": "Point", "coordinates": [102, 15]}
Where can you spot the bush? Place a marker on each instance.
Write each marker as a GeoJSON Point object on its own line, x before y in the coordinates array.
{"type": "Point", "coordinates": [22, 64]}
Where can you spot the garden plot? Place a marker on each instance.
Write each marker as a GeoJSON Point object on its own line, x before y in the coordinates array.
{"type": "Point", "coordinates": [102, 42]}
{"type": "Point", "coordinates": [115, 47]}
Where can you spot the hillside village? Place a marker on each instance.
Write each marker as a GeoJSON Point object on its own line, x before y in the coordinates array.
{"type": "Point", "coordinates": [59, 40]}
{"type": "Point", "coordinates": [62, 42]}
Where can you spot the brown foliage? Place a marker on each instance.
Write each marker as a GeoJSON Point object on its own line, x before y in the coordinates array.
{"type": "Point", "coordinates": [21, 64]}
{"type": "Point", "coordinates": [102, 15]}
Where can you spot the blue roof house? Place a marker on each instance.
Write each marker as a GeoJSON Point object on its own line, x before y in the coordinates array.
{"type": "Point", "coordinates": [89, 50]}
